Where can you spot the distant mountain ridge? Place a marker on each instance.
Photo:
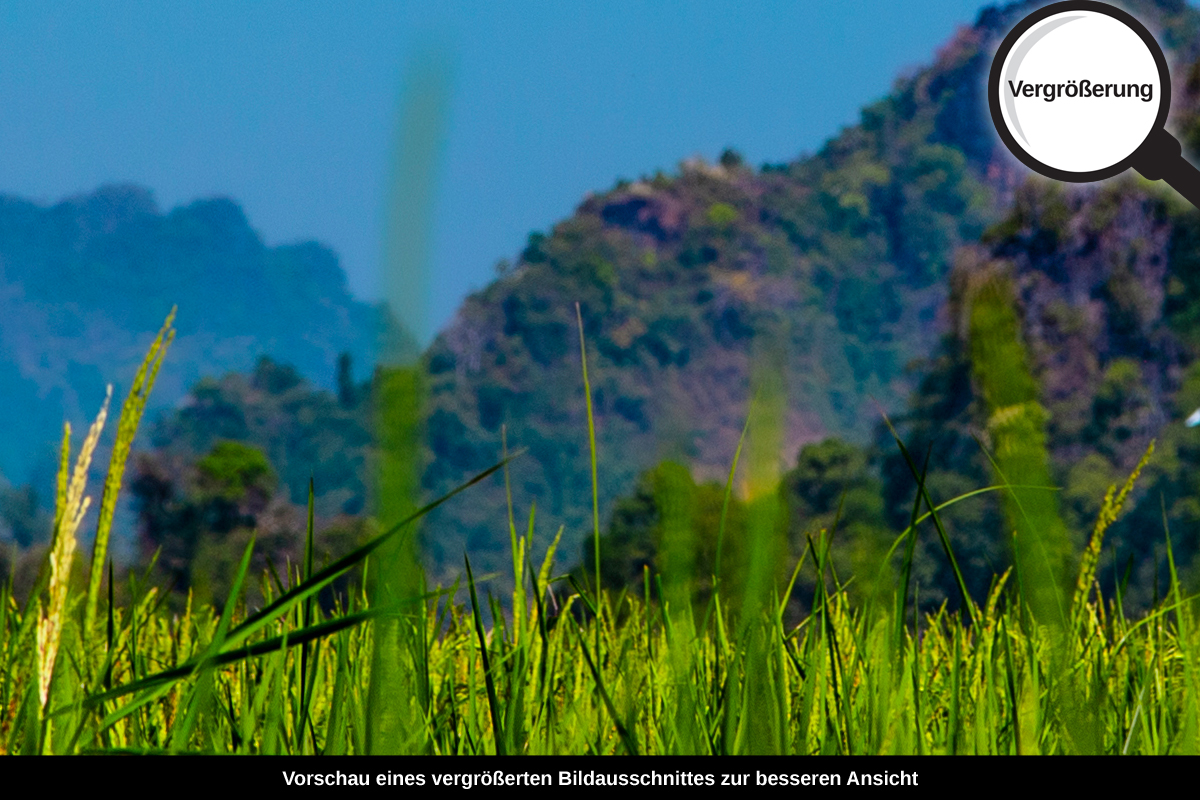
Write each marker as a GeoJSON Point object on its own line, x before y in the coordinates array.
{"type": "Point", "coordinates": [86, 282]}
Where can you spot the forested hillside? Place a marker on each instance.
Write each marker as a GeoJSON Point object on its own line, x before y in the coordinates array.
{"type": "Point", "coordinates": [838, 260]}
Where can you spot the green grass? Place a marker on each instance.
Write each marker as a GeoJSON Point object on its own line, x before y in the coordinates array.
{"type": "Point", "coordinates": [838, 682]}
{"type": "Point", "coordinates": [562, 668]}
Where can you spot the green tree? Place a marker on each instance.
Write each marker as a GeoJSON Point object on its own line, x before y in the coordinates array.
{"type": "Point", "coordinates": [199, 518]}
{"type": "Point", "coordinates": [670, 525]}
{"type": "Point", "coordinates": [835, 489]}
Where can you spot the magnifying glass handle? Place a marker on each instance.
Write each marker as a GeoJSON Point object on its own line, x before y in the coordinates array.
{"type": "Point", "coordinates": [1160, 158]}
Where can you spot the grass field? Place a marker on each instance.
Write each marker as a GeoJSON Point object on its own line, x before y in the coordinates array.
{"type": "Point", "coordinates": [1042, 664]}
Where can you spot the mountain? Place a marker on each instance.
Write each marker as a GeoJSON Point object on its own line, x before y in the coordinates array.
{"type": "Point", "coordinates": [86, 283]}
{"type": "Point", "coordinates": [836, 260]}
{"type": "Point", "coordinates": [840, 261]}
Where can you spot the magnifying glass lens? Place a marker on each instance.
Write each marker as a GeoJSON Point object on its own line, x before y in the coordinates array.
{"type": "Point", "coordinates": [1080, 91]}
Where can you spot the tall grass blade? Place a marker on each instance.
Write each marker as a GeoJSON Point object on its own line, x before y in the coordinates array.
{"type": "Point", "coordinates": [587, 393]}
{"type": "Point", "coordinates": [127, 426]}
{"type": "Point", "coordinates": [488, 676]}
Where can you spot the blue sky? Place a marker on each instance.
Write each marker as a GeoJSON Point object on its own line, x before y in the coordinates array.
{"type": "Point", "coordinates": [290, 108]}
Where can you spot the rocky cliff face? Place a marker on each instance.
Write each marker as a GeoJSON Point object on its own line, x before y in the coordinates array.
{"type": "Point", "coordinates": [1093, 273]}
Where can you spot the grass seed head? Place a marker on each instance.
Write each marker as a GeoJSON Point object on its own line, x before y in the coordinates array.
{"type": "Point", "coordinates": [49, 629]}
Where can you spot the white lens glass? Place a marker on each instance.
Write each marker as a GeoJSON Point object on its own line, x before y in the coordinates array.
{"type": "Point", "coordinates": [1079, 91]}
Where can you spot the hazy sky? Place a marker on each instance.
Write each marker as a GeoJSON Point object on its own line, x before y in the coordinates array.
{"type": "Point", "coordinates": [290, 107]}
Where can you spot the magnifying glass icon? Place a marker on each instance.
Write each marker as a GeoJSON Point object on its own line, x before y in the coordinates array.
{"type": "Point", "coordinates": [1079, 91]}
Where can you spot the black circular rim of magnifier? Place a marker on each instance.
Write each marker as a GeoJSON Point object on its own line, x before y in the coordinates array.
{"type": "Point", "coordinates": [1164, 79]}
